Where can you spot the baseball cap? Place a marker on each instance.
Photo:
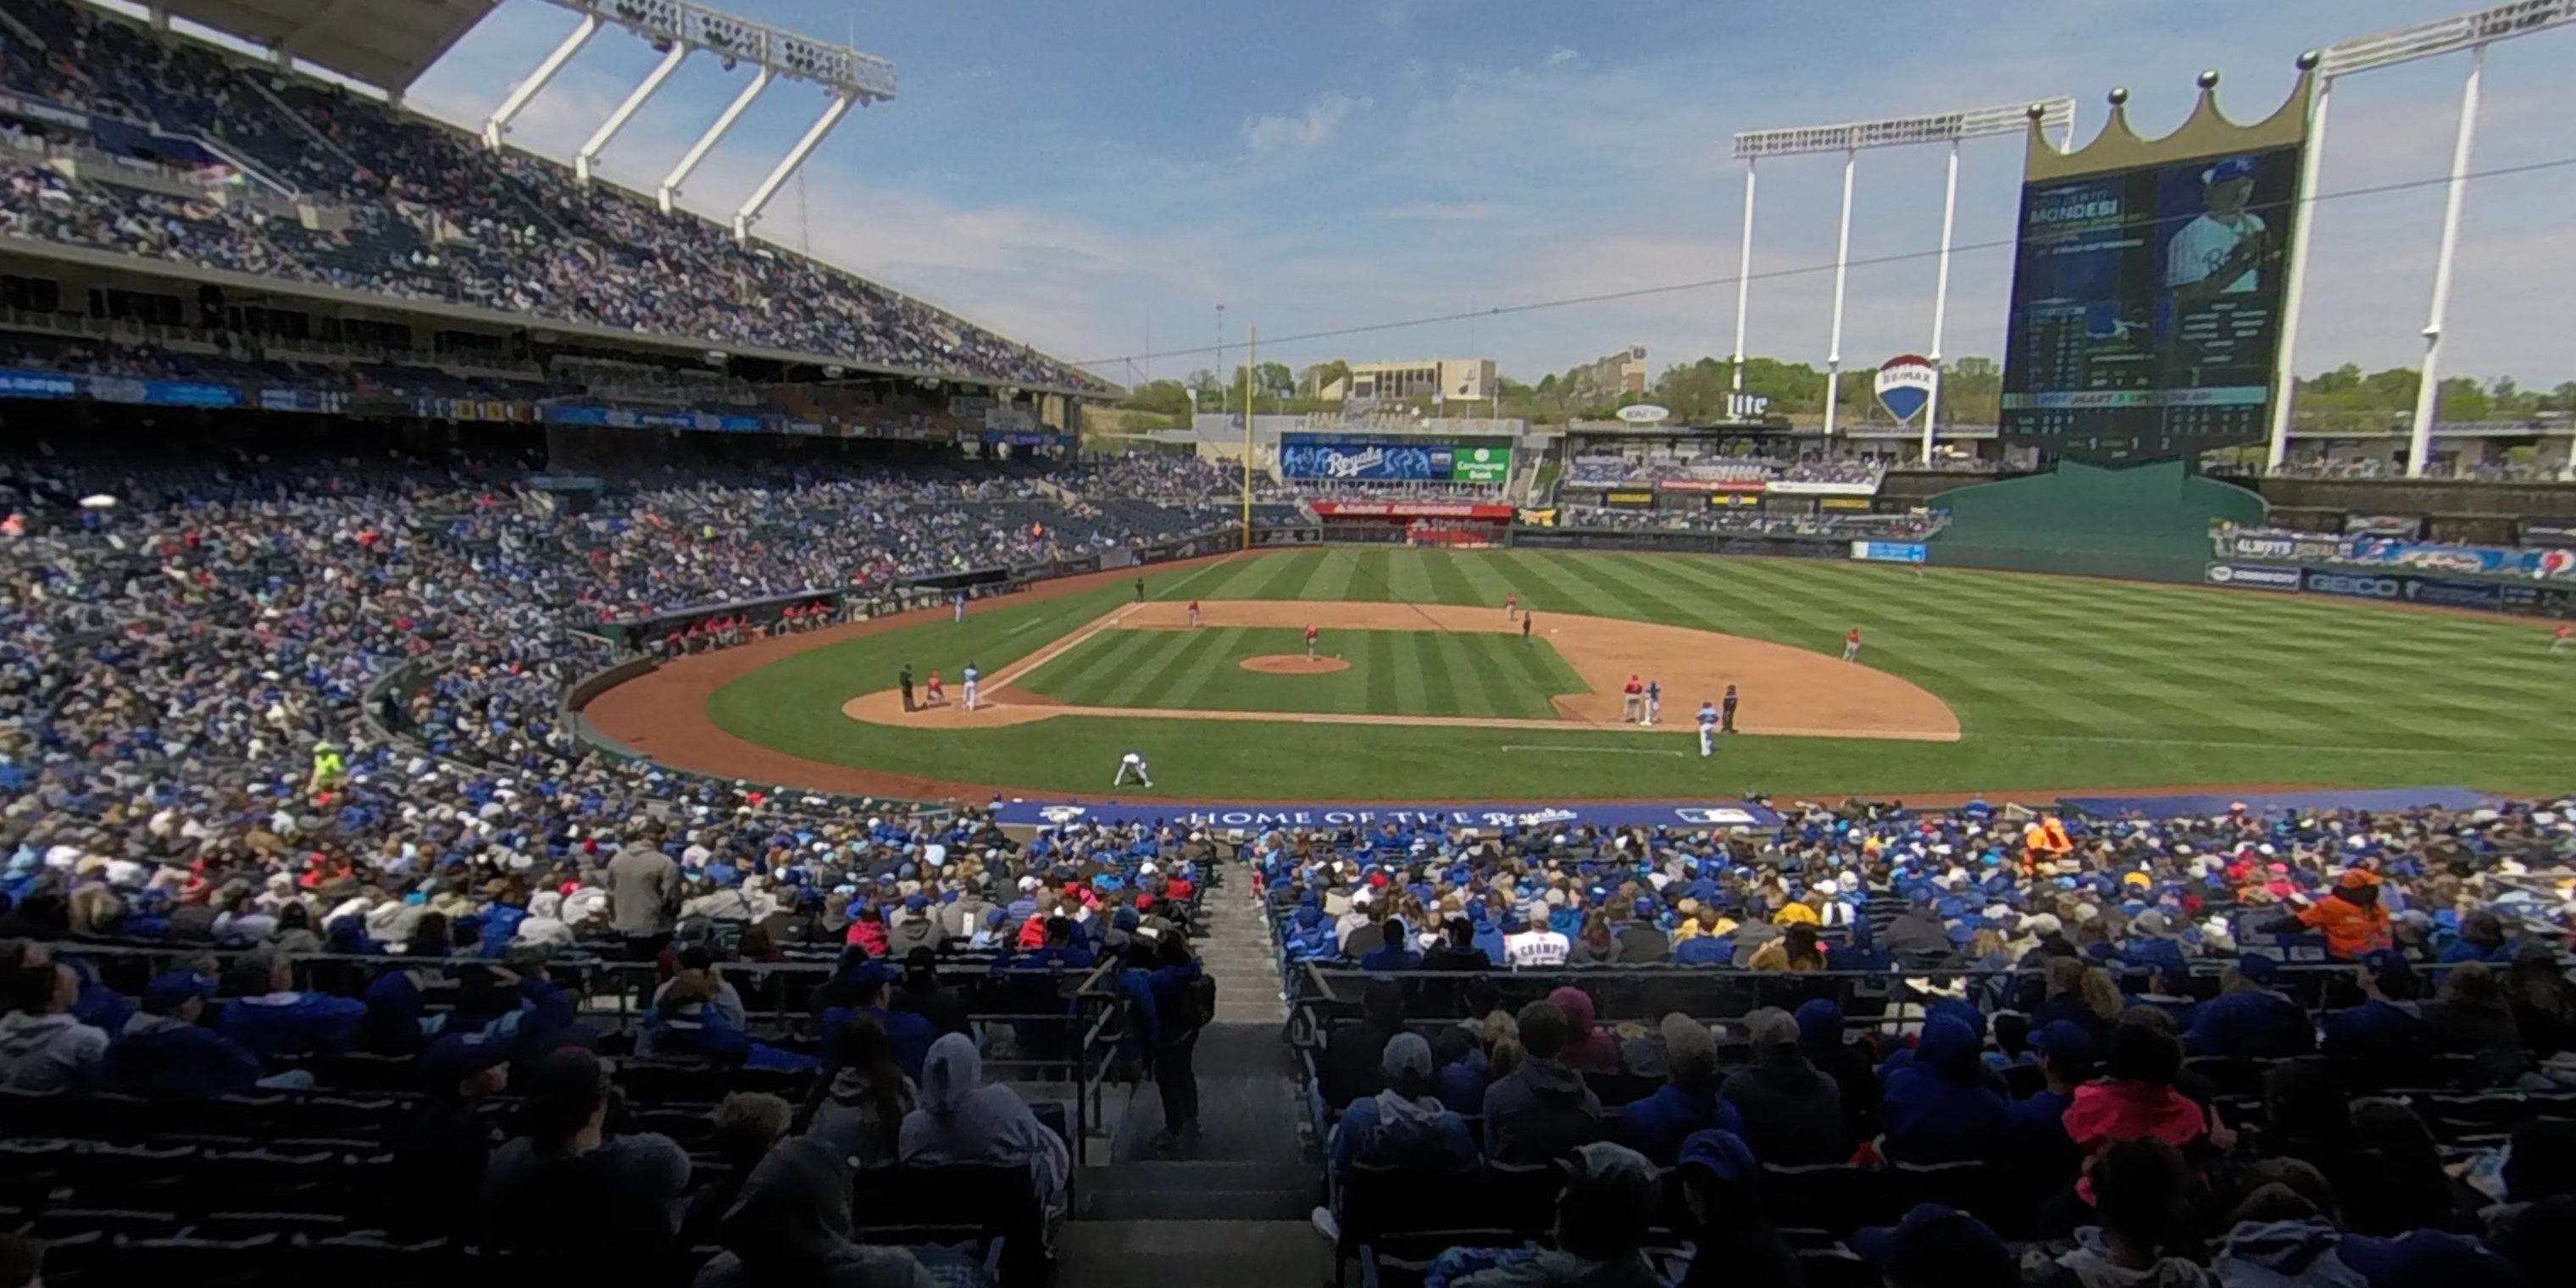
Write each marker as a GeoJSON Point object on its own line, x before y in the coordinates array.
{"type": "Point", "coordinates": [2258, 968]}
{"type": "Point", "coordinates": [2229, 168]}
{"type": "Point", "coordinates": [1647, 908]}
{"type": "Point", "coordinates": [1407, 1058]}
{"type": "Point", "coordinates": [1722, 1153]}
{"type": "Point", "coordinates": [2063, 1038]}
{"type": "Point", "coordinates": [171, 990]}
{"type": "Point", "coordinates": [1937, 1247]}
{"type": "Point", "coordinates": [1615, 1176]}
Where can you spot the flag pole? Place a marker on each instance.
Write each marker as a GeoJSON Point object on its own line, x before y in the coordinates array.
{"type": "Point", "coordinates": [1251, 374]}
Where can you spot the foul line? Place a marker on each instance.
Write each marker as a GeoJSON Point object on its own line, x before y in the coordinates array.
{"type": "Point", "coordinates": [1569, 746]}
{"type": "Point", "coordinates": [1027, 666]}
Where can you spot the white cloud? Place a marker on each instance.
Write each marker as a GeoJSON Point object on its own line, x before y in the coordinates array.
{"type": "Point", "coordinates": [1304, 130]}
{"type": "Point", "coordinates": [1447, 212]}
{"type": "Point", "coordinates": [1560, 56]}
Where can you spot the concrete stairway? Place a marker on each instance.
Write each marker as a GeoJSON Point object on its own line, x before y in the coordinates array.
{"type": "Point", "coordinates": [1232, 1209]}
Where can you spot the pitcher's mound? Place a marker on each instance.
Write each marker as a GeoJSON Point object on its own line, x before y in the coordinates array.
{"type": "Point", "coordinates": [1293, 664]}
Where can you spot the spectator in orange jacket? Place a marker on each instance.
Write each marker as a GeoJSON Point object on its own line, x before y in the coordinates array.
{"type": "Point", "coordinates": [2349, 917]}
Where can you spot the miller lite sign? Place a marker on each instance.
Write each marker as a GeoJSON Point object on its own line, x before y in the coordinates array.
{"type": "Point", "coordinates": [1905, 385]}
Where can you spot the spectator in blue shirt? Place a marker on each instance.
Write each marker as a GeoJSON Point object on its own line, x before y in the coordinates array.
{"type": "Point", "coordinates": [1687, 1103]}
{"type": "Point", "coordinates": [1396, 953]}
{"type": "Point", "coordinates": [2249, 1021]}
{"type": "Point", "coordinates": [163, 1051]}
{"type": "Point", "coordinates": [861, 990]}
{"type": "Point", "coordinates": [270, 1017]}
{"type": "Point", "coordinates": [2481, 940]}
{"type": "Point", "coordinates": [1938, 1109]}
{"type": "Point", "coordinates": [2035, 1128]}
{"type": "Point", "coordinates": [1404, 1125]}
{"type": "Point", "coordinates": [2388, 1026]}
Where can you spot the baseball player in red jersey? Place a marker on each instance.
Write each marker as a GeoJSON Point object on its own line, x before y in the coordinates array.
{"type": "Point", "coordinates": [937, 694]}
{"type": "Point", "coordinates": [1310, 641]}
{"type": "Point", "coordinates": [2558, 638]}
{"type": "Point", "coordinates": [1511, 606]}
{"type": "Point", "coordinates": [1194, 612]}
{"type": "Point", "coordinates": [1851, 645]}
{"type": "Point", "coordinates": [1632, 700]}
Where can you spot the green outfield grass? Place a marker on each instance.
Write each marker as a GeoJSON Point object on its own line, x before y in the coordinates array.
{"type": "Point", "coordinates": [1405, 673]}
{"type": "Point", "coordinates": [2058, 683]}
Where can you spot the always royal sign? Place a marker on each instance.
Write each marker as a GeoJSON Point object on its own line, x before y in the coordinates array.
{"type": "Point", "coordinates": [1689, 815]}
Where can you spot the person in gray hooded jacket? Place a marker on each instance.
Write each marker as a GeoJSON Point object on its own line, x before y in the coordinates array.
{"type": "Point", "coordinates": [1542, 1109]}
{"type": "Point", "coordinates": [791, 1229]}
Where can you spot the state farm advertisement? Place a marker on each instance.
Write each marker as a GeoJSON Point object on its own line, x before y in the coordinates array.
{"type": "Point", "coordinates": [1410, 510]}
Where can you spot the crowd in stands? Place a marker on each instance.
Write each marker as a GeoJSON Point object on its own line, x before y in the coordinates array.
{"type": "Point", "coordinates": [1619, 470]}
{"type": "Point", "coordinates": [2324, 1048]}
{"type": "Point", "coordinates": [1855, 524]}
{"type": "Point", "coordinates": [2488, 470]}
{"type": "Point", "coordinates": [431, 214]}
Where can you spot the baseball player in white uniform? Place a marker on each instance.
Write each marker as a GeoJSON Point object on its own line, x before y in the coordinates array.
{"type": "Point", "coordinates": [1133, 763]}
{"type": "Point", "coordinates": [1708, 728]}
{"type": "Point", "coordinates": [2220, 252]}
{"type": "Point", "coordinates": [972, 673]}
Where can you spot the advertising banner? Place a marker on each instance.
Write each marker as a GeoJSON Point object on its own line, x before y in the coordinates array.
{"type": "Point", "coordinates": [1322, 456]}
{"type": "Point", "coordinates": [1497, 815]}
{"type": "Point", "coordinates": [1861, 503]}
{"type": "Point", "coordinates": [42, 112]}
{"type": "Point", "coordinates": [2254, 576]}
{"type": "Point", "coordinates": [2288, 547]}
{"type": "Point", "coordinates": [1410, 510]}
{"type": "Point", "coordinates": [1711, 485]}
{"type": "Point", "coordinates": [1890, 551]}
{"type": "Point", "coordinates": [2552, 533]}
{"type": "Point", "coordinates": [1540, 518]}
{"type": "Point", "coordinates": [2393, 552]}
{"type": "Point", "coordinates": [2354, 585]}
{"type": "Point", "coordinates": [1736, 500]}
{"type": "Point", "coordinates": [163, 393]}
{"type": "Point", "coordinates": [2384, 525]}
{"type": "Point", "coordinates": [1480, 465]}
{"type": "Point", "coordinates": [15, 383]}
{"type": "Point", "coordinates": [1630, 500]}
{"type": "Point", "coordinates": [1795, 487]}
{"type": "Point", "coordinates": [2485, 595]}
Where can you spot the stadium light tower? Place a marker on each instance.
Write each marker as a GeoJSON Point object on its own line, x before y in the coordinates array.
{"type": "Point", "coordinates": [2472, 32]}
{"type": "Point", "coordinates": [680, 27]}
{"type": "Point", "coordinates": [1849, 138]}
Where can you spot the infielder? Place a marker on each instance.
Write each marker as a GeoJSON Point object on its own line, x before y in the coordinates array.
{"type": "Point", "coordinates": [1654, 701]}
{"type": "Point", "coordinates": [1194, 612]}
{"type": "Point", "coordinates": [1851, 645]}
{"type": "Point", "coordinates": [971, 674]}
{"type": "Point", "coordinates": [1707, 728]}
{"type": "Point", "coordinates": [1632, 700]}
{"type": "Point", "coordinates": [2558, 638]}
{"type": "Point", "coordinates": [1134, 763]}
{"type": "Point", "coordinates": [1511, 606]}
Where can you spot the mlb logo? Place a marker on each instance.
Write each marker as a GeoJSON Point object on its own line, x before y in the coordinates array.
{"type": "Point", "coordinates": [1905, 385]}
{"type": "Point", "coordinates": [1062, 814]}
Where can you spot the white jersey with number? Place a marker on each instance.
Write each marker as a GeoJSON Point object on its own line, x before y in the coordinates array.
{"type": "Point", "coordinates": [2204, 244]}
{"type": "Point", "coordinates": [1534, 948]}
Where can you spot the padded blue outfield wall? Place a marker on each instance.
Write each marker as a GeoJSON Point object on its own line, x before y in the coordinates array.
{"type": "Point", "coordinates": [2147, 522]}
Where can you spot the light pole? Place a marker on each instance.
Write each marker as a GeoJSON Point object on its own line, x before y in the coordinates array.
{"type": "Point", "coordinates": [1220, 346]}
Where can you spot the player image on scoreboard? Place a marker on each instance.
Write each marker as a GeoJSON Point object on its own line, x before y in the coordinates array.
{"type": "Point", "coordinates": [2220, 229]}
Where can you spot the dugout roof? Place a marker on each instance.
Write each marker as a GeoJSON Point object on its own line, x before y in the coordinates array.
{"type": "Point", "coordinates": [385, 43]}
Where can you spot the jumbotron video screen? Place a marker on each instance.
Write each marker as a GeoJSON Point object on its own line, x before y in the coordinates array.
{"type": "Point", "coordinates": [2146, 305]}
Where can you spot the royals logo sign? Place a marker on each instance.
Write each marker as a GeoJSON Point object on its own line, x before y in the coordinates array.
{"type": "Point", "coordinates": [1905, 385]}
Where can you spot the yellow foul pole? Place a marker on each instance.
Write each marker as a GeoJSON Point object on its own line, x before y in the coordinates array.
{"type": "Point", "coordinates": [1251, 375]}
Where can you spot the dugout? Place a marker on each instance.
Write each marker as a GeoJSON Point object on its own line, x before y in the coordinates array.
{"type": "Point", "coordinates": [2148, 522]}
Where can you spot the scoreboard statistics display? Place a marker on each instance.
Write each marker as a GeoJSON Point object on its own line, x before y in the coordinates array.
{"type": "Point", "coordinates": [2146, 305]}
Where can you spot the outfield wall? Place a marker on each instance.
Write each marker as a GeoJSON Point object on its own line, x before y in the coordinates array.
{"type": "Point", "coordinates": [2145, 523]}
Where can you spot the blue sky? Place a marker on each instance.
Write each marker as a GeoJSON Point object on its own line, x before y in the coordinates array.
{"type": "Point", "coordinates": [1096, 177]}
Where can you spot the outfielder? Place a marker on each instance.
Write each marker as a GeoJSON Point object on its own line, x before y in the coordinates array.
{"type": "Point", "coordinates": [971, 674]}
{"type": "Point", "coordinates": [2559, 638]}
{"type": "Point", "coordinates": [1134, 763]}
{"type": "Point", "coordinates": [1654, 701]}
{"type": "Point", "coordinates": [1194, 612]}
{"type": "Point", "coordinates": [1707, 728]}
{"type": "Point", "coordinates": [1511, 606]}
{"type": "Point", "coordinates": [1851, 645]}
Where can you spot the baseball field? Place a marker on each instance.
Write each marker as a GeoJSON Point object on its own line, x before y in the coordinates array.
{"type": "Point", "coordinates": [1423, 689]}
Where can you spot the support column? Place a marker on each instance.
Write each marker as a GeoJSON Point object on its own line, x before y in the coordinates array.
{"type": "Point", "coordinates": [832, 112]}
{"type": "Point", "coordinates": [1842, 269]}
{"type": "Point", "coordinates": [2428, 399]}
{"type": "Point", "coordinates": [1941, 298]}
{"type": "Point", "coordinates": [500, 123]}
{"type": "Point", "coordinates": [670, 190]}
{"type": "Point", "coordinates": [1743, 274]}
{"type": "Point", "coordinates": [644, 89]}
{"type": "Point", "coordinates": [2294, 283]}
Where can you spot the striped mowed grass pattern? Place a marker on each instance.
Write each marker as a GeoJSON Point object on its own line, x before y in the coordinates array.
{"type": "Point", "coordinates": [2058, 683]}
{"type": "Point", "coordinates": [2037, 658]}
{"type": "Point", "coordinates": [1404, 673]}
